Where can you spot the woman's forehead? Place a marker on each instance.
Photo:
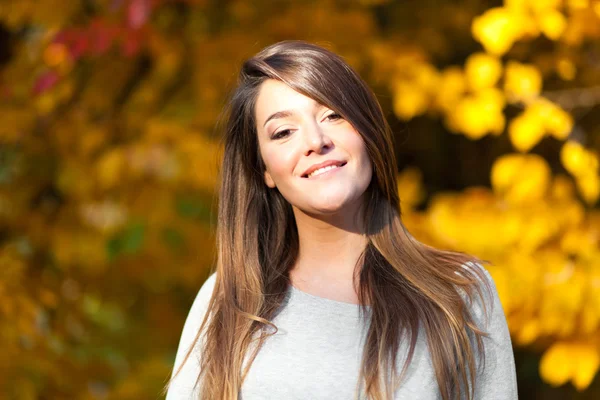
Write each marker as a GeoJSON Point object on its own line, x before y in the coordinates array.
{"type": "Point", "coordinates": [278, 100]}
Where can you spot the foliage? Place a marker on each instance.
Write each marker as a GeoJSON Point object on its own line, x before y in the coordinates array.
{"type": "Point", "coordinates": [109, 155]}
{"type": "Point", "coordinates": [539, 230]}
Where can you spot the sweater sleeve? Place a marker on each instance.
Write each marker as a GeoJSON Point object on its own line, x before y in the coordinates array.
{"type": "Point", "coordinates": [497, 380]}
{"type": "Point", "coordinates": [184, 387]}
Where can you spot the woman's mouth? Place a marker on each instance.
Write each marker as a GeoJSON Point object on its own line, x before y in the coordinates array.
{"type": "Point", "coordinates": [323, 170]}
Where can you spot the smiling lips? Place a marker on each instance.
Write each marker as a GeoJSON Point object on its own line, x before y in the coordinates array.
{"type": "Point", "coordinates": [318, 169]}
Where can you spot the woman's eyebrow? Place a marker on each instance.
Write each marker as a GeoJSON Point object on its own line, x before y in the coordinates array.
{"type": "Point", "coordinates": [279, 114]}
{"type": "Point", "coordinates": [289, 113]}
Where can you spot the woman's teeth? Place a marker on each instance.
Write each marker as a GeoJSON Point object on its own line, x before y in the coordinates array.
{"type": "Point", "coordinates": [322, 170]}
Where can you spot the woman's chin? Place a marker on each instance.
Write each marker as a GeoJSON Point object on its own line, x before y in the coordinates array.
{"type": "Point", "coordinates": [329, 208]}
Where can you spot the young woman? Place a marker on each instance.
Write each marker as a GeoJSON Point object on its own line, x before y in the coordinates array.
{"type": "Point", "coordinates": [319, 290]}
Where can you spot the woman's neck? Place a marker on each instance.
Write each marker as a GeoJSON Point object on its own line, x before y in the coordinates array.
{"type": "Point", "coordinates": [329, 248]}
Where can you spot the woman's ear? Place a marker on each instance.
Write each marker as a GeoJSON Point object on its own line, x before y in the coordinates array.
{"type": "Point", "coordinates": [269, 180]}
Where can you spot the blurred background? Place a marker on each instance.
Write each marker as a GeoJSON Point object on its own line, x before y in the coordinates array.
{"type": "Point", "coordinates": [109, 157]}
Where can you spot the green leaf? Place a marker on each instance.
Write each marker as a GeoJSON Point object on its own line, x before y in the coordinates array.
{"type": "Point", "coordinates": [173, 238]}
{"type": "Point", "coordinates": [128, 241]}
{"type": "Point", "coordinates": [193, 207]}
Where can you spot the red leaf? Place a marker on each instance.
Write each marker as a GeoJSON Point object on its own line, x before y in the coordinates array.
{"type": "Point", "coordinates": [101, 36]}
{"type": "Point", "coordinates": [45, 82]}
{"type": "Point", "coordinates": [132, 43]}
{"type": "Point", "coordinates": [80, 45]}
{"type": "Point", "coordinates": [137, 13]}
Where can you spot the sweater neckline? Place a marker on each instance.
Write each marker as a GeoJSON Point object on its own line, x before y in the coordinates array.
{"type": "Point", "coordinates": [318, 301]}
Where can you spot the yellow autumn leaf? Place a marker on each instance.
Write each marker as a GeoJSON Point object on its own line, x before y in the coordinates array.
{"type": "Point", "coordinates": [441, 217]}
{"type": "Point", "coordinates": [577, 159]}
{"type": "Point", "coordinates": [566, 283]}
{"type": "Point", "coordinates": [410, 100]}
{"type": "Point", "coordinates": [467, 220]}
{"type": "Point", "coordinates": [538, 230]}
{"type": "Point", "coordinates": [528, 332]}
{"type": "Point", "coordinates": [552, 23]}
{"type": "Point", "coordinates": [525, 131]}
{"type": "Point", "coordinates": [482, 71]}
{"type": "Point", "coordinates": [502, 281]}
{"type": "Point", "coordinates": [520, 178]}
{"type": "Point", "coordinates": [539, 6]}
{"type": "Point", "coordinates": [452, 86]}
{"type": "Point", "coordinates": [588, 361]}
{"type": "Point", "coordinates": [557, 121]}
{"type": "Point", "coordinates": [556, 365]}
{"type": "Point", "coordinates": [566, 69]}
{"type": "Point", "coordinates": [578, 4]}
{"type": "Point", "coordinates": [562, 188]}
{"type": "Point", "coordinates": [522, 82]}
{"type": "Point", "coordinates": [425, 76]}
{"type": "Point", "coordinates": [110, 167]}
{"type": "Point", "coordinates": [539, 118]}
{"type": "Point", "coordinates": [479, 114]}
{"type": "Point", "coordinates": [469, 119]}
{"type": "Point", "coordinates": [518, 5]}
{"type": "Point", "coordinates": [492, 103]}
{"type": "Point", "coordinates": [589, 187]}
{"type": "Point", "coordinates": [410, 187]}
{"type": "Point", "coordinates": [496, 30]}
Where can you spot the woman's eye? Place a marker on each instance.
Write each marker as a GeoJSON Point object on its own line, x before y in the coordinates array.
{"type": "Point", "coordinates": [333, 116]}
{"type": "Point", "coordinates": [281, 134]}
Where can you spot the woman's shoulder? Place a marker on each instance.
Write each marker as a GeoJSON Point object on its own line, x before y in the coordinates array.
{"type": "Point", "coordinates": [478, 271]}
{"type": "Point", "coordinates": [198, 309]}
{"type": "Point", "coordinates": [482, 300]}
{"type": "Point", "coordinates": [204, 294]}
{"type": "Point", "coordinates": [208, 285]}
{"type": "Point", "coordinates": [196, 314]}
{"type": "Point", "coordinates": [182, 384]}
{"type": "Point", "coordinates": [499, 374]}
{"type": "Point", "coordinates": [473, 266]}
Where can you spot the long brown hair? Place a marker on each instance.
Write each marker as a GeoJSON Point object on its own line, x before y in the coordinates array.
{"type": "Point", "coordinates": [407, 284]}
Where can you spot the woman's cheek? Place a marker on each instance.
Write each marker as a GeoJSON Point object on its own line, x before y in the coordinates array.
{"type": "Point", "coordinates": [284, 161]}
{"type": "Point", "coordinates": [279, 164]}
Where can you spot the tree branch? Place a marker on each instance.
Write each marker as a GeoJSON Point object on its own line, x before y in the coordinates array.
{"type": "Point", "coordinates": [570, 99]}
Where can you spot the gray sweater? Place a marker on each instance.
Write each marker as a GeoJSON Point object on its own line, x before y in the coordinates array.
{"type": "Point", "coordinates": [317, 350]}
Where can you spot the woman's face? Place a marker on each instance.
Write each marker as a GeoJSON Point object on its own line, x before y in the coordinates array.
{"type": "Point", "coordinates": [315, 158]}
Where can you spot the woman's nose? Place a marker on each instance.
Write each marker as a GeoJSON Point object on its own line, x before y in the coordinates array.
{"type": "Point", "coordinates": [316, 139]}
